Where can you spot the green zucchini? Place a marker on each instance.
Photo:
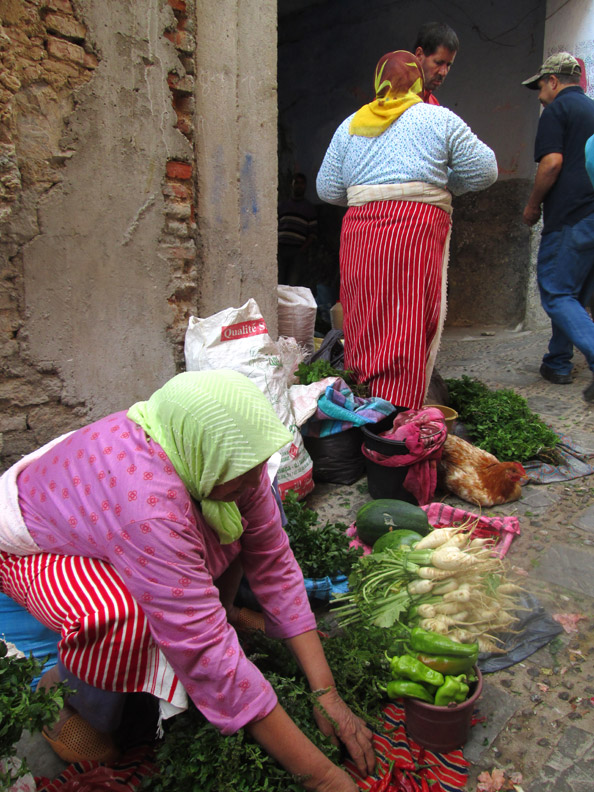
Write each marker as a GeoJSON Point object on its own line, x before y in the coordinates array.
{"type": "Point", "coordinates": [378, 517]}
{"type": "Point", "coordinates": [395, 539]}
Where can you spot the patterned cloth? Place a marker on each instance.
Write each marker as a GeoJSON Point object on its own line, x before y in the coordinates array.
{"type": "Point", "coordinates": [575, 464]}
{"type": "Point", "coordinates": [125, 775]}
{"type": "Point", "coordinates": [398, 84]}
{"type": "Point", "coordinates": [447, 773]}
{"type": "Point", "coordinates": [109, 493]}
{"type": "Point", "coordinates": [339, 409]}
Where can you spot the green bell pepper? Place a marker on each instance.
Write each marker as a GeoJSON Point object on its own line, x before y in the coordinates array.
{"type": "Point", "coordinates": [404, 688]}
{"type": "Point", "coordinates": [415, 670]}
{"type": "Point", "coordinates": [454, 689]}
{"type": "Point", "coordinates": [434, 643]}
{"type": "Point", "coordinates": [446, 664]}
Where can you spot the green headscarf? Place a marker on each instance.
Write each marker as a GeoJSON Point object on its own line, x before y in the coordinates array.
{"type": "Point", "coordinates": [213, 426]}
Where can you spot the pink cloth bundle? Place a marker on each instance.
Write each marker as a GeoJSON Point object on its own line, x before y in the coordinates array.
{"type": "Point", "coordinates": [424, 433]}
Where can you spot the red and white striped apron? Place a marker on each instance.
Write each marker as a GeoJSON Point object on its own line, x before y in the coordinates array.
{"type": "Point", "coordinates": [392, 259]}
{"type": "Point", "coordinates": [105, 637]}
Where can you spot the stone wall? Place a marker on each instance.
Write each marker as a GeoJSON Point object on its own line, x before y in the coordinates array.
{"type": "Point", "coordinates": [108, 242]}
{"type": "Point", "coordinates": [490, 262]}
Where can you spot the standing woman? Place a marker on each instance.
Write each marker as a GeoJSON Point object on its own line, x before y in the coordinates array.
{"type": "Point", "coordinates": [124, 537]}
{"type": "Point", "coordinates": [395, 163]}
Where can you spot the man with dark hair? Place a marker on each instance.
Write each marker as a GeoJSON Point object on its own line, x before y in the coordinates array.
{"type": "Point", "coordinates": [436, 47]}
{"type": "Point", "coordinates": [565, 268]}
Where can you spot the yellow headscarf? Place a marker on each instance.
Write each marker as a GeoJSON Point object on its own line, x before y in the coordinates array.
{"type": "Point", "coordinates": [213, 426]}
{"type": "Point", "coordinates": [399, 84]}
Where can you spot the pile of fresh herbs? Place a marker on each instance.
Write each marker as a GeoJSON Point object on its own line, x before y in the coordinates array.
{"type": "Point", "coordinates": [321, 551]}
{"type": "Point", "coordinates": [500, 421]}
{"type": "Point", "coordinates": [193, 755]}
{"type": "Point", "coordinates": [307, 373]}
{"type": "Point", "coordinates": [22, 707]}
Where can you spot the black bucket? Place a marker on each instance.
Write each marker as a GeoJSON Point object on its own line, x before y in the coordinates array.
{"type": "Point", "coordinates": [384, 481]}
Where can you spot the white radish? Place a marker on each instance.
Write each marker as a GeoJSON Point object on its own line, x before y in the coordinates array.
{"type": "Point", "coordinates": [484, 541]}
{"type": "Point", "coordinates": [452, 559]}
{"type": "Point", "coordinates": [416, 587]}
{"type": "Point", "coordinates": [462, 636]}
{"type": "Point", "coordinates": [461, 594]}
{"type": "Point", "coordinates": [447, 608]}
{"type": "Point", "coordinates": [442, 623]}
{"type": "Point", "coordinates": [509, 588]}
{"type": "Point", "coordinates": [431, 573]}
{"type": "Point", "coordinates": [459, 540]}
{"type": "Point", "coordinates": [444, 586]}
{"type": "Point", "coordinates": [436, 538]}
{"type": "Point", "coordinates": [426, 611]}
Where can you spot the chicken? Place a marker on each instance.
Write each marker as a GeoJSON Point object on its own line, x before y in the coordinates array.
{"type": "Point", "coordinates": [477, 476]}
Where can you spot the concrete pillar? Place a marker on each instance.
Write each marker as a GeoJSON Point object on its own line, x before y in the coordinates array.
{"type": "Point", "coordinates": [236, 154]}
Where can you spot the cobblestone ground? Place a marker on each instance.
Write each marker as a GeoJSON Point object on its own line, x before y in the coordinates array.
{"type": "Point", "coordinates": [539, 712]}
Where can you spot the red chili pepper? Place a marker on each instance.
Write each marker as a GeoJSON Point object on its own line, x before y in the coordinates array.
{"type": "Point", "coordinates": [405, 764]}
{"type": "Point", "coordinates": [381, 785]}
{"type": "Point", "coordinates": [424, 785]}
{"type": "Point", "coordinates": [404, 781]}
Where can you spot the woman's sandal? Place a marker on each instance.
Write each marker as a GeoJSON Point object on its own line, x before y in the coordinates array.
{"type": "Point", "coordinates": [78, 741]}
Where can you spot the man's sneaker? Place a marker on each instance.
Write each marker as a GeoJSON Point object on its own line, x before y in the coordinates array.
{"type": "Point", "coordinates": [557, 379]}
{"type": "Point", "coordinates": [589, 392]}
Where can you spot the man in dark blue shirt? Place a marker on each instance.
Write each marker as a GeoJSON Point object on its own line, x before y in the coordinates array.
{"type": "Point", "coordinates": [565, 269]}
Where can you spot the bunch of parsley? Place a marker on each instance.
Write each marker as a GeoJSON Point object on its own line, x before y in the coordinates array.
{"type": "Point", "coordinates": [21, 707]}
{"type": "Point", "coordinates": [194, 756]}
{"type": "Point", "coordinates": [321, 551]}
{"type": "Point", "coordinates": [501, 422]}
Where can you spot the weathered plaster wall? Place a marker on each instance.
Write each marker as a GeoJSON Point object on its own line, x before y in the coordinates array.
{"type": "Point", "coordinates": [570, 28]}
{"type": "Point", "coordinates": [236, 154]}
{"type": "Point", "coordinates": [326, 63]}
{"type": "Point", "coordinates": [94, 276]}
{"type": "Point", "coordinates": [118, 135]}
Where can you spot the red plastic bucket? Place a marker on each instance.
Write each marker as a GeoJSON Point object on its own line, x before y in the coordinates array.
{"type": "Point", "coordinates": [441, 728]}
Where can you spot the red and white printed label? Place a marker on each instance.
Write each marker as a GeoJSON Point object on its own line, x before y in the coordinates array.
{"type": "Point", "coordinates": [252, 327]}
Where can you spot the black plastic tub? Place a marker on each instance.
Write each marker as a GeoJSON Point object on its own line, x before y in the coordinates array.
{"type": "Point", "coordinates": [384, 481]}
{"type": "Point", "coordinates": [337, 458]}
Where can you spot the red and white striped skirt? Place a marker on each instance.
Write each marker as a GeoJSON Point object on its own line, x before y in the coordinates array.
{"type": "Point", "coordinates": [105, 637]}
{"type": "Point", "coordinates": [391, 267]}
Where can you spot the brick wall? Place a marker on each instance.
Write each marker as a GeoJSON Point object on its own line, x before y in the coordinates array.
{"type": "Point", "coordinates": [178, 245]}
{"type": "Point", "coordinates": [45, 58]}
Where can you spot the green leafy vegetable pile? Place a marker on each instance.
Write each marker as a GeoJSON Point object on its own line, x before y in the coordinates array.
{"type": "Point", "coordinates": [320, 551]}
{"type": "Point", "coordinates": [21, 707]}
{"type": "Point", "coordinates": [194, 756]}
{"type": "Point", "coordinates": [501, 422]}
{"type": "Point", "coordinates": [320, 369]}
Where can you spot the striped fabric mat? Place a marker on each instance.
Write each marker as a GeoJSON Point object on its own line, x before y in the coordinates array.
{"type": "Point", "coordinates": [447, 772]}
{"type": "Point", "coordinates": [125, 775]}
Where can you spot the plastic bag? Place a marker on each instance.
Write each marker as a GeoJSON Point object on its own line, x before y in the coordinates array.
{"type": "Point", "coordinates": [534, 629]}
{"type": "Point", "coordinates": [237, 339]}
{"type": "Point", "coordinates": [337, 459]}
{"type": "Point", "coordinates": [297, 311]}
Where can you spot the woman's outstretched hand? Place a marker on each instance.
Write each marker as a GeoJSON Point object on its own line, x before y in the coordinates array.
{"type": "Point", "coordinates": [349, 729]}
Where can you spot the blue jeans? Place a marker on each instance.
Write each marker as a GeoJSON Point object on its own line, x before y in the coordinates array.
{"type": "Point", "coordinates": [565, 272]}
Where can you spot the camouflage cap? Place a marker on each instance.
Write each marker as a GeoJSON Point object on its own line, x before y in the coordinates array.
{"type": "Point", "coordinates": [560, 63]}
